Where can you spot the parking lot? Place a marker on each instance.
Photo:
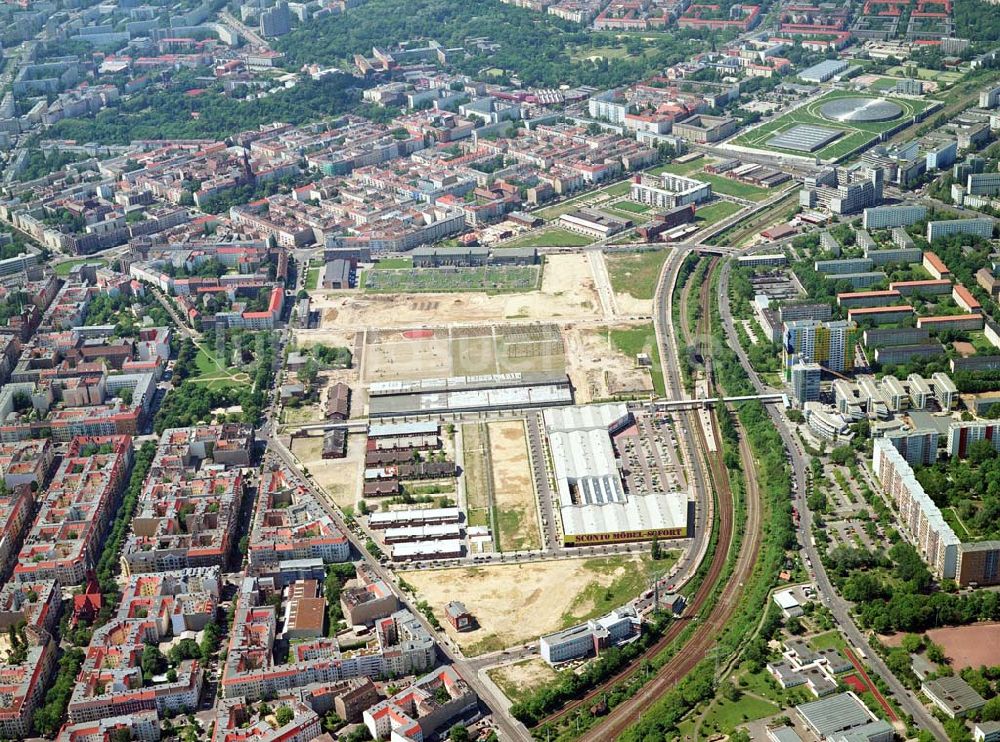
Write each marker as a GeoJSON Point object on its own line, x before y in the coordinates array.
{"type": "Point", "coordinates": [649, 459]}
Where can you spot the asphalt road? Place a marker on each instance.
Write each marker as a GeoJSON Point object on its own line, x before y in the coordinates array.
{"type": "Point", "coordinates": [839, 607]}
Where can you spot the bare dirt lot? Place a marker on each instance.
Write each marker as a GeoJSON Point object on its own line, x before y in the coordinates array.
{"type": "Point", "coordinates": [567, 293]}
{"type": "Point", "coordinates": [513, 491]}
{"type": "Point", "coordinates": [516, 603]}
{"type": "Point", "coordinates": [426, 353]}
{"type": "Point", "coordinates": [340, 478]}
{"type": "Point", "coordinates": [598, 369]}
{"type": "Point", "coordinates": [969, 646]}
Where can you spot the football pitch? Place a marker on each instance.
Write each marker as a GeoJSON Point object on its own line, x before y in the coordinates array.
{"type": "Point", "coordinates": [492, 279]}
{"type": "Point", "coordinates": [855, 134]}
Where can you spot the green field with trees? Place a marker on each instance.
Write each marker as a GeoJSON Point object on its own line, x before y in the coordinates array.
{"type": "Point", "coordinates": [541, 49]}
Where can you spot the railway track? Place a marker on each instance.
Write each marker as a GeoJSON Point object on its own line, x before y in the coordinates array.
{"type": "Point", "coordinates": [699, 645]}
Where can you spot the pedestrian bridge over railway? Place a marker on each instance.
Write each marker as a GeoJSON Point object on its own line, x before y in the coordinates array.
{"type": "Point", "coordinates": [663, 405]}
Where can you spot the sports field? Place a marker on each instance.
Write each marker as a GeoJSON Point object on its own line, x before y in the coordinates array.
{"type": "Point", "coordinates": [491, 279]}
{"type": "Point", "coordinates": [856, 134]}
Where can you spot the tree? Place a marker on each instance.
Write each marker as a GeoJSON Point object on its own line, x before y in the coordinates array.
{"type": "Point", "coordinates": [152, 662]}
{"type": "Point", "coordinates": [935, 653]}
{"type": "Point", "coordinates": [308, 372]}
{"type": "Point", "coordinates": [284, 715]}
{"type": "Point", "coordinates": [912, 643]}
{"type": "Point", "coordinates": [459, 733]}
{"type": "Point", "coordinates": [654, 550]}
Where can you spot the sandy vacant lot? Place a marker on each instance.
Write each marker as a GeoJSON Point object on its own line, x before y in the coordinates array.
{"type": "Point", "coordinates": [513, 490]}
{"type": "Point", "coordinates": [513, 603]}
{"type": "Point", "coordinates": [567, 293]}
{"type": "Point", "coordinates": [598, 369]}
{"type": "Point", "coordinates": [969, 646]}
{"type": "Point", "coordinates": [340, 478]}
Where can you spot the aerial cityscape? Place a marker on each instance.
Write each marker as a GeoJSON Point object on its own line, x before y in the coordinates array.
{"type": "Point", "coordinates": [508, 370]}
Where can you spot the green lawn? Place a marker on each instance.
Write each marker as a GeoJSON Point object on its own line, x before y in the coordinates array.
{"type": "Point", "coordinates": [210, 373]}
{"type": "Point", "coordinates": [725, 715]}
{"type": "Point", "coordinates": [618, 189]}
{"type": "Point", "coordinates": [207, 364]}
{"type": "Point", "coordinates": [564, 207]}
{"type": "Point", "coordinates": [631, 206]}
{"type": "Point", "coordinates": [947, 78]}
{"type": "Point", "coordinates": [830, 640]}
{"type": "Point", "coordinates": [884, 83]}
{"type": "Point", "coordinates": [393, 264]}
{"type": "Point", "coordinates": [641, 339]}
{"type": "Point", "coordinates": [716, 212]}
{"type": "Point", "coordinates": [635, 273]}
{"type": "Point", "coordinates": [763, 684]}
{"type": "Point", "coordinates": [681, 168]}
{"type": "Point", "coordinates": [730, 187]}
{"type": "Point", "coordinates": [555, 237]}
{"type": "Point", "coordinates": [62, 269]}
{"type": "Point", "coordinates": [596, 600]}
{"type": "Point", "coordinates": [312, 279]}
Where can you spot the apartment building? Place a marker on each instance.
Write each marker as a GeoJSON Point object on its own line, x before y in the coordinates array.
{"type": "Point", "coordinates": [417, 712]}
{"type": "Point", "coordinates": [843, 191]}
{"type": "Point", "coordinates": [367, 599]}
{"type": "Point", "coordinates": [153, 608]}
{"type": "Point", "coordinates": [237, 720]}
{"type": "Point", "coordinates": [668, 191]}
{"type": "Point", "coordinates": [186, 515]}
{"type": "Point", "coordinates": [24, 682]}
{"type": "Point", "coordinates": [830, 344]}
{"type": "Point", "coordinates": [399, 646]}
{"type": "Point", "coordinates": [142, 726]}
{"type": "Point", "coordinates": [979, 564]}
{"type": "Point", "coordinates": [64, 540]}
{"type": "Point", "coordinates": [289, 524]}
{"type": "Point", "coordinates": [978, 227]}
{"type": "Point", "coordinates": [919, 517]}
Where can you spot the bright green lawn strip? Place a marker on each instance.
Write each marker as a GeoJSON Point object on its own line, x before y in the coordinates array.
{"type": "Point", "coordinates": [549, 238]}
{"type": "Point", "coordinates": [62, 269]}
{"type": "Point", "coordinates": [716, 212]}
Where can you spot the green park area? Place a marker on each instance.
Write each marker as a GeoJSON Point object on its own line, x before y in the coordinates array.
{"type": "Point", "coordinates": [588, 198]}
{"type": "Point", "coordinates": [642, 339]}
{"type": "Point", "coordinates": [215, 374]}
{"type": "Point", "coordinates": [63, 269]}
{"type": "Point", "coordinates": [715, 212]}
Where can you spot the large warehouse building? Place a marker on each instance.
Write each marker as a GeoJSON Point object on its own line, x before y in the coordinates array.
{"type": "Point", "coordinates": [593, 503]}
